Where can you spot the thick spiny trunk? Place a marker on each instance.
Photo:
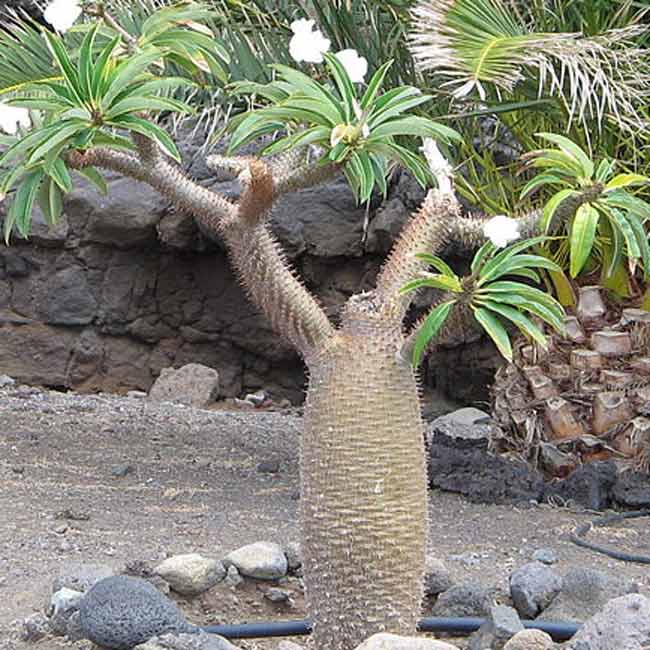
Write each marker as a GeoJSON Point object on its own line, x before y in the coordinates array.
{"type": "Point", "coordinates": [363, 505]}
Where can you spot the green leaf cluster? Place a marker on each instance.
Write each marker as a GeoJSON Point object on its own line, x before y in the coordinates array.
{"type": "Point", "coordinates": [101, 91]}
{"type": "Point", "coordinates": [363, 133]}
{"type": "Point", "coordinates": [607, 224]}
{"type": "Point", "coordinates": [494, 294]}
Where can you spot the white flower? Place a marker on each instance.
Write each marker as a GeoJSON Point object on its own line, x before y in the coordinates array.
{"type": "Point", "coordinates": [438, 164]}
{"type": "Point", "coordinates": [501, 230]}
{"type": "Point", "coordinates": [61, 14]}
{"type": "Point", "coordinates": [306, 43]}
{"type": "Point", "coordinates": [356, 66]}
{"type": "Point", "coordinates": [12, 117]}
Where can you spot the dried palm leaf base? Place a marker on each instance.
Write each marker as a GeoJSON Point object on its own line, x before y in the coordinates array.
{"type": "Point", "coordinates": [586, 398]}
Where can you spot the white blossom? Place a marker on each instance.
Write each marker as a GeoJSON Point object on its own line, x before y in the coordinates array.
{"type": "Point", "coordinates": [13, 117]}
{"type": "Point", "coordinates": [438, 164]}
{"type": "Point", "coordinates": [356, 66]}
{"type": "Point", "coordinates": [307, 44]}
{"type": "Point", "coordinates": [61, 14]}
{"type": "Point", "coordinates": [501, 230]}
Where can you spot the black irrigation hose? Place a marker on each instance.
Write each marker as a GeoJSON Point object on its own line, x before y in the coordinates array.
{"type": "Point", "coordinates": [465, 625]}
{"type": "Point", "coordinates": [581, 531]}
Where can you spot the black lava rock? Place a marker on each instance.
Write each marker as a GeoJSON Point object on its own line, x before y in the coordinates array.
{"type": "Point", "coordinates": [590, 485]}
{"type": "Point", "coordinates": [120, 612]}
{"type": "Point", "coordinates": [483, 477]}
{"type": "Point", "coordinates": [632, 490]}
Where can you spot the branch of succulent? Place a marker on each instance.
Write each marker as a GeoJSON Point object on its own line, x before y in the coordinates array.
{"type": "Point", "coordinates": [489, 292]}
{"type": "Point", "coordinates": [605, 224]}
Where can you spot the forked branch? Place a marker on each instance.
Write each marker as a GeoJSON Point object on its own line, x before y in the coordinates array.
{"type": "Point", "coordinates": [262, 268]}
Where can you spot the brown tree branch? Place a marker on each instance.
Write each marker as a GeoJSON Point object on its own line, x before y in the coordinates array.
{"type": "Point", "coordinates": [256, 256]}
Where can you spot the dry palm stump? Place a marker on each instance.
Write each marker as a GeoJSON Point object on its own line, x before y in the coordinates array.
{"type": "Point", "coordinates": [585, 398]}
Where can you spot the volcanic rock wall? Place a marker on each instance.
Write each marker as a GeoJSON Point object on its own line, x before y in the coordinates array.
{"type": "Point", "coordinates": [124, 286]}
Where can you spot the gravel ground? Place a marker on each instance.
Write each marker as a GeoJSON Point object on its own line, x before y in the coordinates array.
{"type": "Point", "coordinates": [193, 485]}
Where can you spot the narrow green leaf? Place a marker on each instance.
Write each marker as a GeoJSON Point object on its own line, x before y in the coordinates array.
{"type": "Point", "coordinates": [642, 240]}
{"type": "Point", "coordinates": [495, 330]}
{"type": "Point", "coordinates": [493, 266]}
{"type": "Point", "coordinates": [523, 323]}
{"type": "Point", "coordinates": [344, 85]}
{"type": "Point", "coordinates": [552, 206]}
{"type": "Point", "coordinates": [619, 220]}
{"type": "Point", "coordinates": [149, 130]}
{"type": "Point", "coordinates": [429, 328]}
{"type": "Point", "coordinates": [573, 150]}
{"type": "Point", "coordinates": [625, 180]}
{"type": "Point", "coordinates": [517, 262]}
{"type": "Point", "coordinates": [540, 181]}
{"type": "Point", "coordinates": [50, 201]}
{"type": "Point", "coordinates": [65, 130]}
{"type": "Point", "coordinates": [21, 208]}
{"type": "Point", "coordinates": [65, 65]}
{"type": "Point", "coordinates": [86, 62]}
{"type": "Point", "coordinates": [146, 104]}
{"type": "Point", "coordinates": [127, 72]}
{"type": "Point", "coordinates": [91, 174]}
{"type": "Point", "coordinates": [604, 169]}
{"type": "Point", "coordinates": [437, 263]}
{"type": "Point", "coordinates": [60, 175]}
{"type": "Point", "coordinates": [375, 85]}
{"type": "Point", "coordinates": [412, 125]}
{"type": "Point", "coordinates": [482, 254]}
{"type": "Point", "coordinates": [101, 67]}
{"type": "Point", "coordinates": [583, 233]}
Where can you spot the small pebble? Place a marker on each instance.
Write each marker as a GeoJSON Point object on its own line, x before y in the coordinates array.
{"type": "Point", "coordinates": [121, 470]}
{"type": "Point", "coordinates": [269, 467]}
{"type": "Point", "coordinates": [545, 556]}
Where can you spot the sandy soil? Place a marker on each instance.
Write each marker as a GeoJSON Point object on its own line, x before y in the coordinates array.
{"type": "Point", "coordinates": [194, 486]}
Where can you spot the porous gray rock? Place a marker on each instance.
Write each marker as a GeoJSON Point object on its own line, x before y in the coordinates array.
{"type": "Point", "coordinates": [120, 612]}
{"type": "Point", "coordinates": [73, 628]}
{"type": "Point", "coordinates": [530, 640]}
{"type": "Point", "coordinates": [233, 578]}
{"type": "Point", "coordinates": [385, 641]}
{"type": "Point", "coordinates": [437, 577]}
{"type": "Point", "coordinates": [81, 576]}
{"type": "Point", "coordinates": [632, 490]}
{"type": "Point", "coordinates": [264, 560]}
{"type": "Point", "coordinates": [293, 553]}
{"type": "Point", "coordinates": [466, 599]}
{"type": "Point", "coordinates": [70, 300]}
{"type": "Point", "coordinates": [193, 385]}
{"type": "Point", "coordinates": [465, 428]}
{"type": "Point", "coordinates": [622, 624]}
{"type": "Point", "coordinates": [500, 626]}
{"type": "Point", "coordinates": [545, 556]}
{"type": "Point", "coordinates": [584, 593]}
{"type": "Point", "coordinates": [34, 628]}
{"type": "Point", "coordinates": [191, 574]}
{"type": "Point", "coordinates": [532, 588]}
{"type": "Point", "coordinates": [276, 595]}
{"type": "Point", "coordinates": [483, 477]}
{"type": "Point", "coordinates": [63, 604]}
{"type": "Point", "coordinates": [590, 485]}
{"type": "Point", "coordinates": [6, 381]}
{"type": "Point", "coordinates": [199, 641]}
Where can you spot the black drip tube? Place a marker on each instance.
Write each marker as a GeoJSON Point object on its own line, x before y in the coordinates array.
{"type": "Point", "coordinates": [462, 626]}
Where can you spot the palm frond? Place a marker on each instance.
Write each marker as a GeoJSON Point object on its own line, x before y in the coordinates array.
{"type": "Point", "coordinates": [24, 55]}
{"type": "Point", "coordinates": [486, 43]}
